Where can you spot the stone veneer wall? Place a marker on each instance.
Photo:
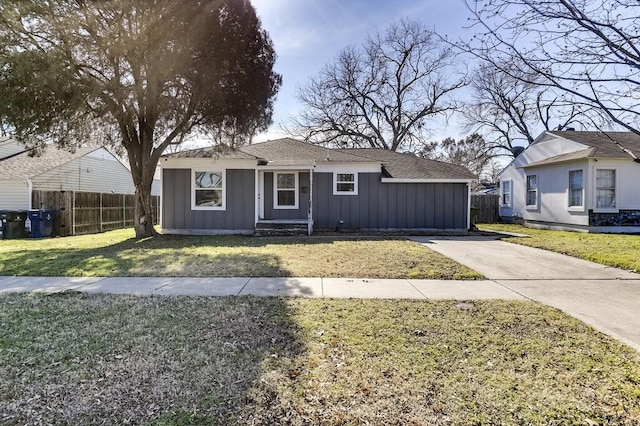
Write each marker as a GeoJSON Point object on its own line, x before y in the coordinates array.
{"type": "Point", "coordinates": [621, 218]}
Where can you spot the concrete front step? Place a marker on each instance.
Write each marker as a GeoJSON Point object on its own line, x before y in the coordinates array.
{"type": "Point", "coordinates": [281, 228]}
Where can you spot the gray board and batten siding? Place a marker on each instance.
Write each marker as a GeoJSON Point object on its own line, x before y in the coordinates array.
{"type": "Point", "coordinates": [377, 206]}
{"type": "Point", "coordinates": [239, 214]}
{"type": "Point", "coordinates": [302, 212]}
{"type": "Point", "coordinates": [388, 206]}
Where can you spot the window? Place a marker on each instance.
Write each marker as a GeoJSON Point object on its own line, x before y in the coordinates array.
{"type": "Point", "coordinates": [285, 190]}
{"type": "Point", "coordinates": [208, 190]}
{"type": "Point", "coordinates": [345, 184]}
{"type": "Point", "coordinates": [575, 188]}
{"type": "Point", "coordinates": [506, 193]}
{"type": "Point", "coordinates": [605, 189]}
{"type": "Point", "coordinates": [532, 191]}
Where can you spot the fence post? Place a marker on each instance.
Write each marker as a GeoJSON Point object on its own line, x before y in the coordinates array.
{"type": "Point", "coordinates": [101, 212]}
{"type": "Point", "coordinates": [124, 211]}
{"type": "Point", "coordinates": [73, 213]}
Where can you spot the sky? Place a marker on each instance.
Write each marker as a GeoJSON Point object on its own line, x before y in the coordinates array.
{"type": "Point", "coordinates": [308, 34]}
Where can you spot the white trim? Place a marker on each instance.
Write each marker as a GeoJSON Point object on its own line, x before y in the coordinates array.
{"type": "Point", "coordinates": [510, 203]}
{"type": "Point", "coordinates": [365, 167]}
{"type": "Point", "coordinates": [397, 180]}
{"type": "Point", "coordinates": [581, 208]}
{"type": "Point", "coordinates": [297, 167]}
{"type": "Point", "coordinates": [261, 194]}
{"type": "Point", "coordinates": [616, 189]}
{"type": "Point", "coordinates": [296, 190]}
{"type": "Point", "coordinates": [526, 191]}
{"type": "Point", "coordinates": [335, 183]}
{"type": "Point", "coordinates": [223, 206]}
{"type": "Point", "coordinates": [256, 195]}
{"type": "Point", "coordinates": [207, 163]}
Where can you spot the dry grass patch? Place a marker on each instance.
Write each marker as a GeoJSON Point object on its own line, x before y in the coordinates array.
{"type": "Point", "coordinates": [116, 253]}
{"type": "Point", "coordinates": [620, 251]}
{"type": "Point", "coordinates": [82, 359]}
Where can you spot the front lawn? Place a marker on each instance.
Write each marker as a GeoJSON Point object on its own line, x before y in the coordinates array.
{"type": "Point", "coordinates": [116, 253]}
{"type": "Point", "coordinates": [620, 251]}
{"type": "Point", "coordinates": [82, 359]}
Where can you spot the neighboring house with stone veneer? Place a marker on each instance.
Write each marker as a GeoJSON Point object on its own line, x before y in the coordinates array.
{"type": "Point", "coordinates": [289, 183]}
{"type": "Point", "coordinates": [588, 181]}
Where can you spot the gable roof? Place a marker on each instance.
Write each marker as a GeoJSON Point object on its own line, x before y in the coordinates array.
{"type": "Point", "coordinates": [287, 151]}
{"type": "Point", "coordinates": [407, 166]}
{"type": "Point", "coordinates": [605, 144]}
{"type": "Point", "coordinates": [23, 166]}
{"type": "Point", "coordinates": [292, 152]}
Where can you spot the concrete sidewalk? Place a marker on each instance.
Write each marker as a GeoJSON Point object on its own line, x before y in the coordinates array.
{"type": "Point", "coordinates": [303, 287]}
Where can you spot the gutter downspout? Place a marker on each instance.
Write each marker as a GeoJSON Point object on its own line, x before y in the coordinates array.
{"type": "Point", "coordinates": [30, 186]}
{"type": "Point", "coordinates": [468, 206]}
{"type": "Point", "coordinates": [310, 212]}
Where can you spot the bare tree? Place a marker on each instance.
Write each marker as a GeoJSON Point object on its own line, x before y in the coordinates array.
{"type": "Point", "coordinates": [510, 108]}
{"type": "Point", "coordinates": [472, 152]}
{"type": "Point", "coordinates": [587, 49]}
{"type": "Point", "coordinates": [381, 94]}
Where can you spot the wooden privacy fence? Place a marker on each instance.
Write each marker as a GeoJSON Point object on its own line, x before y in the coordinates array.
{"type": "Point", "coordinates": [89, 212]}
{"type": "Point", "coordinates": [488, 207]}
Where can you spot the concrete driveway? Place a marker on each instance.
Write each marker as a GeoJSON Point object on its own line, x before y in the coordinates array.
{"type": "Point", "coordinates": [604, 297]}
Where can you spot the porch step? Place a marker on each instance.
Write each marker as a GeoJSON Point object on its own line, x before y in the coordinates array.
{"type": "Point", "coordinates": [281, 228]}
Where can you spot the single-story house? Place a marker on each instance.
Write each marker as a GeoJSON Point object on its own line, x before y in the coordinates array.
{"type": "Point", "coordinates": [218, 190]}
{"type": "Point", "coordinates": [575, 180]}
{"type": "Point", "coordinates": [88, 169]}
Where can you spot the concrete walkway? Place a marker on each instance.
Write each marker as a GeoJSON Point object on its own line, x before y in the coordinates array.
{"type": "Point", "coordinates": [305, 287]}
{"type": "Point", "coordinates": [606, 298]}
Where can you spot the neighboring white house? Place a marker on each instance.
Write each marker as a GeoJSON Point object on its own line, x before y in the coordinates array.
{"type": "Point", "coordinates": [88, 169]}
{"type": "Point", "coordinates": [588, 181]}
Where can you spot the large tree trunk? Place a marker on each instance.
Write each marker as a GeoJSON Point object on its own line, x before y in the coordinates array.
{"type": "Point", "coordinates": [144, 217]}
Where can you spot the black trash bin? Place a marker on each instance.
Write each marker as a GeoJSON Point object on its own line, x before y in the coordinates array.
{"type": "Point", "coordinates": [41, 223]}
{"type": "Point", "coordinates": [13, 224]}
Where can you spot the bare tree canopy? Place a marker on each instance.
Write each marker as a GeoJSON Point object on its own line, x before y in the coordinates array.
{"type": "Point", "coordinates": [382, 93]}
{"type": "Point", "coordinates": [588, 49]}
{"type": "Point", "coordinates": [140, 75]}
{"type": "Point", "coordinates": [510, 108]}
{"type": "Point", "coordinates": [472, 152]}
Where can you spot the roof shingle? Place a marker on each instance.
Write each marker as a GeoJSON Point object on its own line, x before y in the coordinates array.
{"type": "Point", "coordinates": [23, 166]}
{"type": "Point", "coordinates": [408, 166]}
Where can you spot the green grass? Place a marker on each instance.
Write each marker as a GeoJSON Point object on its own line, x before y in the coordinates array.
{"type": "Point", "coordinates": [81, 359]}
{"type": "Point", "coordinates": [620, 251]}
{"type": "Point", "coordinates": [117, 253]}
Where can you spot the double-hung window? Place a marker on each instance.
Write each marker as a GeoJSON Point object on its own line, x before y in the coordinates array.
{"type": "Point", "coordinates": [285, 187]}
{"type": "Point", "coordinates": [506, 193]}
{"type": "Point", "coordinates": [576, 188]}
{"type": "Point", "coordinates": [208, 190]}
{"type": "Point", "coordinates": [605, 189]}
{"type": "Point", "coordinates": [532, 191]}
{"type": "Point", "coordinates": [345, 183]}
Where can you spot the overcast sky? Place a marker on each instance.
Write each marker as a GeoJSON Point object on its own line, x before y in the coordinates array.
{"type": "Point", "coordinates": [307, 34]}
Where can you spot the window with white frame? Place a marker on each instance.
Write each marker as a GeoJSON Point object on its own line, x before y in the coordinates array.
{"type": "Point", "coordinates": [285, 188]}
{"type": "Point", "coordinates": [345, 183]}
{"type": "Point", "coordinates": [208, 190]}
{"type": "Point", "coordinates": [532, 191]}
{"type": "Point", "coordinates": [506, 193]}
{"type": "Point", "coordinates": [576, 188]}
{"type": "Point", "coordinates": [605, 189]}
